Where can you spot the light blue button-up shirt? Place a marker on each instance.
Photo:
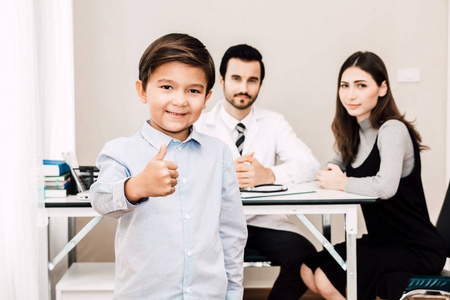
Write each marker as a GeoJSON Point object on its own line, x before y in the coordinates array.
{"type": "Point", "coordinates": [188, 245]}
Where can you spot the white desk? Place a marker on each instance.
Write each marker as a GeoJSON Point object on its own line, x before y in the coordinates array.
{"type": "Point", "coordinates": [318, 202]}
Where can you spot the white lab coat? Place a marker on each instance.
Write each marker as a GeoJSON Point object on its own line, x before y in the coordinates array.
{"type": "Point", "coordinates": [270, 137]}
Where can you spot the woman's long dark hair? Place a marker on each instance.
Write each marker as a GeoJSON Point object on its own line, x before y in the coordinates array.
{"type": "Point", "coordinates": [345, 127]}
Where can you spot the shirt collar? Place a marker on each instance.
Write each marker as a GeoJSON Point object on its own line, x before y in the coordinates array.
{"type": "Point", "coordinates": [155, 137]}
{"type": "Point", "coordinates": [231, 122]}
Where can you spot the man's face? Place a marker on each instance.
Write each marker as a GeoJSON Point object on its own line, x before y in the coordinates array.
{"type": "Point", "coordinates": [241, 83]}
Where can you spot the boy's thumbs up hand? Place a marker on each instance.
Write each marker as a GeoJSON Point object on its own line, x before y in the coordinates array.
{"type": "Point", "coordinates": [161, 153]}
{"type": "Point", "coordinates": [158, 179]}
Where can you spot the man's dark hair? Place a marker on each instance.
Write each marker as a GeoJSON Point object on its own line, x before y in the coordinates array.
{"type": "Point", "coordinates": [177, 47]}
{"type": "Point", "coordinates": [243, 52]}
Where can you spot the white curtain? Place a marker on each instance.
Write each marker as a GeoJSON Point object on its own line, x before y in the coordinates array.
{"type": "Point", "coordinates": [56, 76]}
{"type": "Point", "coordinates": [21, 184]}
{"type": "Point", "coordinates": [36, 121]}
{"type": "Point", "coordinates": [56, 73]}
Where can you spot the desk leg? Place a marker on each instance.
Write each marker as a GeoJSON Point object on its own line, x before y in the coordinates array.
{"type": "Point", "coordinates": [351, 230]}
{"type": "Point", "coordinates": [44, 278]}
{"type": "Point", "coordinates": [72, 231]}
{"type": "Point", "coordinates": [326, 226]}
{"type": "Point", "coordinates": [351, 266]}
{"type": "Point", "coordinates": [74, 241]}
{"type": "Point", "coordinates": [325, 243]}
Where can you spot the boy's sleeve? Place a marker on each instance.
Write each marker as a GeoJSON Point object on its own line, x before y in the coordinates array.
{"type": "Point", "coordinates": [107, 194]}
{"type": "Point", "coordinates": [233, 229]}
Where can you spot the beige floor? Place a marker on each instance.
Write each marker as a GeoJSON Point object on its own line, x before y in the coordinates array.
{"type": "Point", "coordinates": [261, 294]}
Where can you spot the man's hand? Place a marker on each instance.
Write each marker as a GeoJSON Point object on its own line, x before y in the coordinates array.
{"type": "Point", "coordinates": [332, 178]}
{"type": "Point", "coordinates": [158, 179]}
{"type": "Point", "coordinates": [251, 173]}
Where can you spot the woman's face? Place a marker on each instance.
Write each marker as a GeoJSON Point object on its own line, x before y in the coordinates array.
{"type": "Point", "coordinates": [359, 92]}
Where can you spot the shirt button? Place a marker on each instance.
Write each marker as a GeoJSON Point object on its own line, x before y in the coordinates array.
{"type": "Point", "coordinates": [184, 180]}
{"type": "Point", "coordinates": [187, 216]}
{"type": "Point", "coordinates": [119, 203]}
{"type": "Point", "coordinates": [188, 290]}
{"type": "Point", "coordinates": [179, 148]}
{"type": "Point", "coordinates": [189, 253]}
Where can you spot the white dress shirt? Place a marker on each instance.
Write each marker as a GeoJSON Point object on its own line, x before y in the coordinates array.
{"type": "Point", "coordinates": [188, 245]}
{"type": "Point", "coordinates": [272, 139]}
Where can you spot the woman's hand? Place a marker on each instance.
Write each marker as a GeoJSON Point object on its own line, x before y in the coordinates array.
{"type": "Point", "coordinates": [332, 178]}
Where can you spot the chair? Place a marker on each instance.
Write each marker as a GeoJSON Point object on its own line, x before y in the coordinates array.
{"type": "Point", "coordinates": [255, 258]}
{"type": "Point", "coordinates": [434, 287]}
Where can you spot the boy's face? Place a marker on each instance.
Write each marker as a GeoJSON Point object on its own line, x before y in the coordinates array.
{"type": "Point", "coordinates": [176, 94]}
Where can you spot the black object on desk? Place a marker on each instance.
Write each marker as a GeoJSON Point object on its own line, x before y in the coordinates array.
{"type": "Point", "coordinates": [266, 188]}
{"type": "Point", "coordinates": [68, 204]}
{"type": "Point", "coordinates": [88, 174]}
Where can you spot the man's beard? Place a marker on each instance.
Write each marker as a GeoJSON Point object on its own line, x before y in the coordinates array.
{"type": "Point", "coordinates": [236, 103]}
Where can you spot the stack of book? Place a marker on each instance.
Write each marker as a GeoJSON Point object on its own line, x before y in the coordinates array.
{"type": "Point", "coordinates": [57, 178]}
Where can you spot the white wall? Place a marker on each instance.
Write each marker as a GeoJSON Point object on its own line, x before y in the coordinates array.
{"type": "Point", "coordinates": [303, 44]}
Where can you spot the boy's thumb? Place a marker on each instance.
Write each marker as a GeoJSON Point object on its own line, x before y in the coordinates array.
{"type": "Point", "coordinates": [161, 153]}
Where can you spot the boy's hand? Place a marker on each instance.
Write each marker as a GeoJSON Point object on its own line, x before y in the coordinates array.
{"type": "Point", "coordinates": [158, 179]}
{"type": "Point", "coordinates": [251, 173]}
{"type": "Point", "coordinates": [332, 178]}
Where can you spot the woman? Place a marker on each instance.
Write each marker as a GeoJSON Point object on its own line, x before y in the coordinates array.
{"type": "Point", "coordinates": [379, 152]}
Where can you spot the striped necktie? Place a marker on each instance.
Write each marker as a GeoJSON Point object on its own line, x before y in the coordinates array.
{"type": "Point", "coordinates": [241, 137]}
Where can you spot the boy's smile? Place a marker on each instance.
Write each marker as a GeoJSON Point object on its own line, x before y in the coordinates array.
{"type": "Point", "coordinates": [176, 115]}
{"type": "Point", "coordinates": [176, 94]}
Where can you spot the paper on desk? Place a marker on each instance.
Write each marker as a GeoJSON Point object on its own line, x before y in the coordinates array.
{"type": "Point", "coordinates": [292, 190]}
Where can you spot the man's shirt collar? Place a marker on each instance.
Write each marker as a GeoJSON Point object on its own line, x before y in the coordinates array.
{"type": "Point", "coordinates": [230, 122]}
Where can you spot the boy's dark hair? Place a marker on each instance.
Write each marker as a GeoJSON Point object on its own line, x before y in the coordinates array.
{"type": "Point", "coordinates": [177, 47]}
{"type": "Point", "coordinates": [243, 52]}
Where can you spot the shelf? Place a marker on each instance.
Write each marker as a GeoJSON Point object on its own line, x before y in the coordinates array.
{"type": "Point", "coordinates": [90, 281]}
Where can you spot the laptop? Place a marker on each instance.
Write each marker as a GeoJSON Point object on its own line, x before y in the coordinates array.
{"type": "Point", "coordinates": [83, 195]}
{"type": "Point", "coordinates": [72, 161]}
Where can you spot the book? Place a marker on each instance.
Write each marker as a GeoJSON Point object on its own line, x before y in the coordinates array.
{"type": "Point", "coordinates": [62, 177]}
{"type": "Point", "coordinates": [51, 192]}
{"type": "Point", "coordinates": [55, 167]}
{"type": "Point", "coordinates": [58, 184]}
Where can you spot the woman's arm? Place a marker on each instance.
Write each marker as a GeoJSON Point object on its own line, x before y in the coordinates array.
{"type": "Point", "coordinates": [397, 161]}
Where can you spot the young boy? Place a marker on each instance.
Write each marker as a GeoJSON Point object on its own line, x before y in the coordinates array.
{"type": "Point", "coordinates": [181, 231]}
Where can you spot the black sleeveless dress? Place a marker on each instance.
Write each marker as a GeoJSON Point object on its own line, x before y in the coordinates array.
{"type": "Point", "coordinates": [400, 236]}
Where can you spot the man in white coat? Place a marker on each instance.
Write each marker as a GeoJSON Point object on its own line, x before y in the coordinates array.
{"type": "Point", "coordinates": [258, 138]}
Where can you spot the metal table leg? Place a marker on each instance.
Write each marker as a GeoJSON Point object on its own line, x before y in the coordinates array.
{"type": "Point", "coordinates": [351, 230]}
{"type": "Point", "coordinates": [73, 242]}
{"type": "Point", "coordinates": [325, 243]}
{"type": "Point", "coordinates": [326, 226]}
